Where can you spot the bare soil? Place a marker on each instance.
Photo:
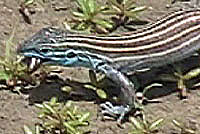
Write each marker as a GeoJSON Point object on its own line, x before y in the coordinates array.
{"type": "Point", "coordinates": [17, 111]}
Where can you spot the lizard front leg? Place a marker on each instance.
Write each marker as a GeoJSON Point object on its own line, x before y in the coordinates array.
{"type": "Point", "coordinates": [127, 95]}
{"type": "Point", "coordinates": [127, 89]}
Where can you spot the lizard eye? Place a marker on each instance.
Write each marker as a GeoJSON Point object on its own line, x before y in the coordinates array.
{"type": "Point", "coordinates": [71, 55]}
{"type": "Point", "coordinates": [45, 50]}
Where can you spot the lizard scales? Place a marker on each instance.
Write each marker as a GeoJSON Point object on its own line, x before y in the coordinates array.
{"type": "Point", "coordinates": [170, 39]}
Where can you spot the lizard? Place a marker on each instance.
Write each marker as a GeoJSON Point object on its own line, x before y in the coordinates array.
{"type": "Point", "coordinates": [170, 39]}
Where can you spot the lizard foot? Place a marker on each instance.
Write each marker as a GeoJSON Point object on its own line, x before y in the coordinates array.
{"type": "Point", "coordinates": [115, 111]}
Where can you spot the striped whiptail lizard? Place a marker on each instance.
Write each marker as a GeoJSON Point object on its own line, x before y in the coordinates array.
{"type": "Point", "coordinates": [171, 39]}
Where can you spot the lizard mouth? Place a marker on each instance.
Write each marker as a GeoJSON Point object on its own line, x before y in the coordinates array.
{"type": "Point", "coordinates": [32, 62]}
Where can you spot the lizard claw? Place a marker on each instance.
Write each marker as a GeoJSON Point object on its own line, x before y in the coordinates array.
{"type": "Point", "coordinates": [115, 111]}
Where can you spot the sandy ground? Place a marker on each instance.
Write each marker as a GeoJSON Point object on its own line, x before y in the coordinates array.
{"type": "Point", "coordinates": [16, 110]}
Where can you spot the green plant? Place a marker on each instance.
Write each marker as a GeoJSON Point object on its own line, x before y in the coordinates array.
{"type": "Point", "coordinates": [93, 17]}
{"type": "Point", "coordinates": [181, 78]}
{"type": "Point", "coordinates": [124, 10]}
{"type": "Point", "coordinates": [36, 130]}
{"type": "Point", "coordinates": [11, 67]}
{"type": "Point", "coordinates": [89, 17]}
{"type": "Point", "coordinates": [28, 2]}
{"type": "Point", "coordinates": [142, 126]}
{"type": "Point", "coordinates": [62, 118]}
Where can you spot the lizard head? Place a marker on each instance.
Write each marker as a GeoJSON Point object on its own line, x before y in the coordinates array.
{"type": "Point", "coordinates": [38, 43]}
{"type": "Point", "coordinates": [49, 46]}
{"type": "Point", "coordinates": [43, 47]}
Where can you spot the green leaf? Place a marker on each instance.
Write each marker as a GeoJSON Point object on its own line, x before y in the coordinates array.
{"type": "Point", "coordinates": [52, 122]}
{"type": "Point", "coordinates": [189, 131]}
{"type": "Point", "coordinates": [78, 14]}
{"type": "Point", "coordinates": [4, 75]}
{"type": "Point", "coordinates": [177, 124]}
{"type": "Point", "coordinates": [136, 123]}
{"type": "Point", "coordinates": [92, 6]}
{"type": "Point", "coordinates": [151, 86]}
{"type": "Point", "coordinates": [49, 108]}
{"type": "Point", "coordinates": [41, 115]}
{"type": "Point", "coordinates": [154, 126]}
{"type": "Point", "coordinates": [181, 84]}
{"type": "Point", "coordinates": [82, 26]}
{"type": "Point", "coordinates": [53, 101]}
{"type": "Point", "coordinates": [183, 128]}
{"type": "Point", "coordinates": [68, 104]}
{"type": "Point", "coordinates": [9, 47]}
{"type": "Point", "coordinates": [71, 128]}
{"type": "Point", "coordinates": [74, 123]}
{"type": "Point", "coordinates": [27, 130]}
{"type": "Point", "coordinates": [117, 10]}
{"type": "Point", "coordinates": [90, 87]}
{"type": "Point", "coordinates": [192, 74]}
{"type": "Point", "coordinates": [138, 9]}
{"type": "Point", "coordinates": [70, 114]}
{"type": "Point", "coordinates": [37, 129]}
{"type": "Point", "coordinates": [28, 2]}
{"type": "Point", "coordinates": [130, 4]}
{"type": "Point", "coordinates": [115, 3]}
{"type": "Point", "coordinates": [81, 4]}
{"type": "Point", "coordinates": [104, 23]}
{"type": "Point", "coordinates": [67, 89]}
{"type": "Point", "coordinates": [39, 106]}
{"type": "Point", "coordinates": [101, 94]}
{"type": "Point", "coordinates": [86, 8]}
{"type": "Point", "coordinates": [134, 12]}
{"type": "Point", "coordinates": [74, 111]}
{"type": "Point", "coordinates": [84, 117]}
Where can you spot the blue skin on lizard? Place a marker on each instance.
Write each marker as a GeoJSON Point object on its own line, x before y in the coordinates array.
{"type": "Point", "coordinates": [71, 57]}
